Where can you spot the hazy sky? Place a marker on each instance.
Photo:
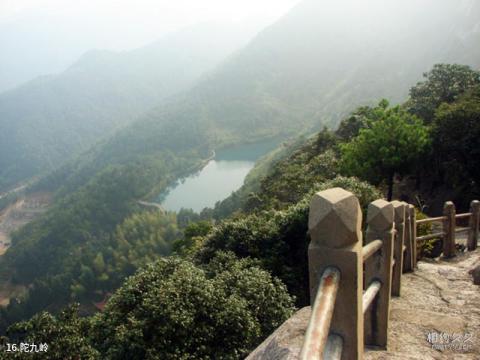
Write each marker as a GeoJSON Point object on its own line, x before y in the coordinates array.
{"type": "Point", "coordinates": [40, 37]}
{"type": "Point", "coordinates": [129, 23]}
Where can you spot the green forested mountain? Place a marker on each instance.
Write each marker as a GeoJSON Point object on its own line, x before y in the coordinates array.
{"type": "Point", "coordinates": [238, 278]}
{"type": "Point", "coordinates": [171, 309]}
{"type": "Point", "coordinates": [89, 241]}
{"type": "Point", "coordinates": [441, 114]}
{"type": "Point", "coordinates": [306, 71]}
{"type": "Point", "coordinates": [302, 72]}
{"type": "Point", "coordinates": [49, 119]}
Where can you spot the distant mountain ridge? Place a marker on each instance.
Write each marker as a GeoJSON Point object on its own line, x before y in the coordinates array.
{"type": "Point", "coordinates": [308, 70]}
{"type": "Point", "coordinates": [49, 119]}
{"type": "Point", "coordinates": [305, 71]}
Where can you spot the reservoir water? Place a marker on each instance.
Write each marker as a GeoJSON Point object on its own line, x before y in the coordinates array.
{"type": "Point", "coordinates": [217, 180]}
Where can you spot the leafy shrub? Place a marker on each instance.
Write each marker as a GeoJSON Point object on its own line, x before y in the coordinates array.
{"type": "Point", "coordinates": [428, 248]}
{"type": "Point", "coordinates": [456, 134]}
{"type": "Point", "coordinates": [293, 177]}
{"type": "Point", "coordinates": [443, 84]}
{"type": "Point", "coordinates": [391, 145]}
{"type": "Point", "coordinates": [64, 334]}
{"type": "Point", "coordinates": [173, 309]}
{"type": "Point", "coordinates": [278, 238]}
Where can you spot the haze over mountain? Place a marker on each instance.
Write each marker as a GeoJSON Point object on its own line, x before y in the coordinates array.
{"type": "Point", "coordinates": [49, 119]}
{"type": "Point", "coordinates": [45, 37]}
{"type": "Point", "coordinates": [309, 69]}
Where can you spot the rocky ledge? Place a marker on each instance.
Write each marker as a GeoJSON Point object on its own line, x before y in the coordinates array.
{"type": "Point", "coordinates": [437, 317]}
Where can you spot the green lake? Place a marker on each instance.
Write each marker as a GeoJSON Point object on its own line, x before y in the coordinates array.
{"type": "Point", "coordinates": [217, 180]}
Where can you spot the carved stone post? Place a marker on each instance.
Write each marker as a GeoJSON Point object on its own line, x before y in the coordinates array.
{"type": "Point", "coordinates": [408, 255]}
{"type": "Point", "coordinates": [336, 240]}
{"type": "Point", "coordinates": [413, 222]}
{"type": "Point", "coordinates": [449, 229]}
{"type": "Point", "coordinates": [474, 224]}
{"type": "Point", "coordinates": [379, 267]}
{"type": "Point", "coordinates": [399, 208]}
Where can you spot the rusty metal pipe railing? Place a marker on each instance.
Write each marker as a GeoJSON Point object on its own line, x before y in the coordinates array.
{"type": "Point", "coordinates": [370, 294]}
{"type": "Point", "coordinates": [321, 317]}
{"type": "Point", "coordinates": [371, 248]}
{"type": "Point", "coordinates": [427, 220]}
{"type": "Point", "coordinates": [461, 216]}
{"type": "Point", "coordinates": [431, 236]}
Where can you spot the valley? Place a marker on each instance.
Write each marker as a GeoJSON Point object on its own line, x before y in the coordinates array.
{"type": "Point", "coordinates": [55, 118]}
{"type": "Point", "coordinates": [171, 185]}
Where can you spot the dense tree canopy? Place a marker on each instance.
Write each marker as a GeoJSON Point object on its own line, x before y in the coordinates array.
{"type": "Point", "coordinates": [232, 280]}
{"type": "Point", "coordinates": [456, 136]}
{"type": "Point", "coordinates": [60, 256]}
{"type": "Point", "coordinates": [447, 101]}
{"type": "Point", "coordinates": [444, 83]}
{"type": "Point", "coordinates": [391, 143]}
{"type": "Point", "coordinates": [278, 238]}
{"type": "Point", "coordinates": [292, 176]}
{"type": "Point", "coordinates": [351, 125]}
{"type": "Point", "coordinates": [172, 309]}
{"type": "Point", "coordinates": [65, 335]}
{"type": "Point", "coordinates": [189, 242]}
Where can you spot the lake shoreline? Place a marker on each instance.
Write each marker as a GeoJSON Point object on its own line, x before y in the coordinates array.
{"type": "Point", "coordinates": [215, 178]}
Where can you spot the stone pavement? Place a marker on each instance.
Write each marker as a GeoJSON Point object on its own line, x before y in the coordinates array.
{"type": "Point", "coordinates": [438, 299]}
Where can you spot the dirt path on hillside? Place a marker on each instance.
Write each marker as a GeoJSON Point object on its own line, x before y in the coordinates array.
{"type": "Point", "coordinates": [7, 224]}
{"type": "Point", "coordinates": [20, 213]}
{"type": "Point", "coordinates": [12, 218]}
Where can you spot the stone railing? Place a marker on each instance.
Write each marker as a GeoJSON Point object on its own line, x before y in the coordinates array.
{"type": "Point", "coordinates": [450, 228]}
{"type": "Point", "coordinates": [351, 280]}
